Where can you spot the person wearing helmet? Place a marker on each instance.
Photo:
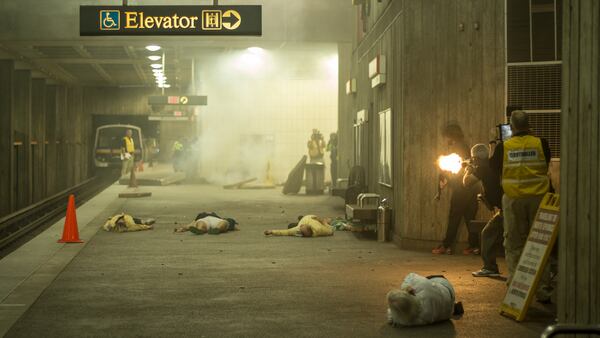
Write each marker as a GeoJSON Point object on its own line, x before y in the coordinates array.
{"type": "Point", "coordinates": [492, 234]}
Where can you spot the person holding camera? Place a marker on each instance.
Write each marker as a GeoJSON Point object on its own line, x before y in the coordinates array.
{"type": "Point", "coordinates": [479, 170]}
{"type": "Point", "coordinates": [523, 161]}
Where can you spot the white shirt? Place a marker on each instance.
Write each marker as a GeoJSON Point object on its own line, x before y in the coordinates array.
{"type": "Point", "coordinates": [436, 296]}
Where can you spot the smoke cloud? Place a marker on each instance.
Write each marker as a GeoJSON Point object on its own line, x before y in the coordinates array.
{"type": "Point", "coordinates": [262, 107]}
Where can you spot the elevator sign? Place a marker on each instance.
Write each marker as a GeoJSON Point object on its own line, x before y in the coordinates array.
{"type": "Point", "coordinates": [170, 20]}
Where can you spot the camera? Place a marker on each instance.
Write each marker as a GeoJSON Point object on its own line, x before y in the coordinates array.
{"type": "Point", "coordinates": [503, 132]}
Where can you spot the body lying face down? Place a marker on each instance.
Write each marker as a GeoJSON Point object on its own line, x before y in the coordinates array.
{"type": "Point", "coordinates": [127, 223]}
{"type": "Point", "coordinates": [420, 301]}
{"type": "Point", "coordinates": [308, 226]}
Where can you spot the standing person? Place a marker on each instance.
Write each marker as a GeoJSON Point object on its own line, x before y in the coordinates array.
{"type": "Point", "coordinates": [463, 201]}
{"type": "Point", "coordinates": [332, 148]}
{"type": "Point", "coordinates": [178, 156]}
{"type": "Point", "coordinates": [492, 234]}
{"type": "Point", "coordinates": [127, 153]}
{"type": "Point", "coordinates": [523, 160]}
{"type": "Point", "coordinates": [316, 145]}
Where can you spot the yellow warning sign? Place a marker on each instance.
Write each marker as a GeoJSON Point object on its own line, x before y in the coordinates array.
{"type": "Point", "coordinates": [542, 237]}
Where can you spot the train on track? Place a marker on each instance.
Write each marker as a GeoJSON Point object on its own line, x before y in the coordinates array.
{"type": "Point", "coordinates": [108, 143]}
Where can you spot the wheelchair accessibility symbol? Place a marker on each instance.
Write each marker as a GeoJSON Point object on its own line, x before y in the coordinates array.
{"type": "Point", "coordinates": [110, 20]}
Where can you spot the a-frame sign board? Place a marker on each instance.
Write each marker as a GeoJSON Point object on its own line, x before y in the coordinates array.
{"type": "Point", "coordinates": [542, 237]}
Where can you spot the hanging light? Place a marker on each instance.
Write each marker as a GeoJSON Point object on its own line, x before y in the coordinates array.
{"type": "Point", "coordinates": [156, 65]}
{"type": "Point", "coordinates": [153, 48]}
{"type": "Point", "coordinates": [154, 57]}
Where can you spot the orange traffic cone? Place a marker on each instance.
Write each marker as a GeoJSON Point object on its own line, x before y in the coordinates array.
{"type": "Point", "coordinates": [70, 231]}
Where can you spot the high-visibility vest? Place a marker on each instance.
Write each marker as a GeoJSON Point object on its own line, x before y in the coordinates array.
{"type": "Point", "coordinates": [524, 167]}
{"type": "Point", "coordinates": [111, 224]}
{"type": "Point", "coordinates": [129, 146]}
{"type": "Point", "coordinates": [177, 146]}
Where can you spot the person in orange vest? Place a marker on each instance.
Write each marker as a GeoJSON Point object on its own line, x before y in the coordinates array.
{"type": "Point", "coordinates": [523, 162]}
{"type": "Point", "coordinates": [127, 153]}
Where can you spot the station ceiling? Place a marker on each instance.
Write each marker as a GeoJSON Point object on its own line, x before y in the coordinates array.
{"type": "Point", "coordinates": [44, 36]}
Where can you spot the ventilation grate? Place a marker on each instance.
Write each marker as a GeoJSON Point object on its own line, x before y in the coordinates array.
{"type": "Point", "coordinates": [534, 87]}
{"type": "Point", "coordinates": [547, 125]}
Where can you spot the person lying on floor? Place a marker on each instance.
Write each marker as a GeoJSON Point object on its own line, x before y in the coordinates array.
{"type": "Point", "coordinates": [209, 223]}
{"type": "Point", "coordinates": [126, 223]}
{"type": "Point", "coordinates": [308, 226]}
{"type": "Point", "coordinates": [421, 301]}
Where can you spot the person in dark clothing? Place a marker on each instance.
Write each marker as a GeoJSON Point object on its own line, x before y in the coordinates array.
{"type": "Point", "coordinates": [463, 201]}
{"type": "Point", "coordinates": [332, 148]}
{"type": "Point", "coordinates": [209, 222]}
{"type": "Point", "coordinates": [493, 232]}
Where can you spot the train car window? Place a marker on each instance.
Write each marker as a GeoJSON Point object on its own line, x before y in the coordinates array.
{"type": "Point", "coordinates": [112, 138]}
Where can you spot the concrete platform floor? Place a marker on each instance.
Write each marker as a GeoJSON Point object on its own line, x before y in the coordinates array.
{"type": "Point", "coordinates": [241, 284]}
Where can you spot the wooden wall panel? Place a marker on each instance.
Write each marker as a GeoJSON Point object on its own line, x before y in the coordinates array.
{"type": "Point", "coordinates": [118, 101]}
{"type": "Point", "coordinates": [22, 135]}
{"type": "Point", "coordinates": [345, 112]}
{"type": "Point", "coordinates": [579, 278]}
{"type": "Point", "coordinates": [51, 146]}
{"type": "Point", "coordinates": [61, 137]}
{"type": "Point", "coordinates": [6, 141]}
{"type": "Point", "coordinates": [38, 121]}
{"type": "Point", "coordinates": [445, 62]}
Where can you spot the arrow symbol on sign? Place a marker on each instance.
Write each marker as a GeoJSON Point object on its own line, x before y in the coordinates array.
{"type": "Point", "coordinates": [229, 14]}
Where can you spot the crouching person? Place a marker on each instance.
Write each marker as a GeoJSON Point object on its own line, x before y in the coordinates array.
{"type": "Point", "coordinates": [421, 301]}
{"type": "Point", "coordinates": [308, 226]}
{"type": "Point", "coordinates": [126, 223]}
{"type": "Point", "coordinates": [209, 223]}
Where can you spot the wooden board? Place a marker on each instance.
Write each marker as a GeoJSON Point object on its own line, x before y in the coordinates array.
{"type": "Point", "coordinates": [533, 259]}
{"type": "Point", "coordinates": [579, 277]}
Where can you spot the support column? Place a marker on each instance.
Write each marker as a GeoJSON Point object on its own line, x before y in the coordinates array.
{"type": "Point", "coordinates": [38, 145]}
{"type": "Point", "coordinates": [6, 141]}
{"type": "Point", "coordinates": [22, 137]}
{"type": "Point", "coordinates": [346, 111]}
{"type": "Point", "coordinates": [579, 255]}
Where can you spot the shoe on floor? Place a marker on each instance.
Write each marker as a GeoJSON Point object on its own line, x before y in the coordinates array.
{"type": "Point", "coordinates": [196, 231]}
{"type": "Point", "coordinates": [486, 273]}
{"type": "Point", "coordinates": [149, 221]}
{"type": "Point", "coordinates": [441, 250]}
{"type": "Point", "coordinates": [471, 251]}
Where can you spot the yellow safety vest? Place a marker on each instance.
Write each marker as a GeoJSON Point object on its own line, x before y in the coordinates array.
{"type": "Point", "coordinates": [524, 167]}
{"type": "Point", "coordinates": [129, 146]}
{"type": "Point", "coordinates": [111, 224]}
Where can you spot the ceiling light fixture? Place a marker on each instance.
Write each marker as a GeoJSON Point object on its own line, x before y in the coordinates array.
{"type": "Point", "coordinates": [154, 57]}
{"type": "Point", "coordinates": [156, 65]}
{"type": "Point", "coordinates": [153, 48]}
{"type": "Point", "coordinates": [256, 50]}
